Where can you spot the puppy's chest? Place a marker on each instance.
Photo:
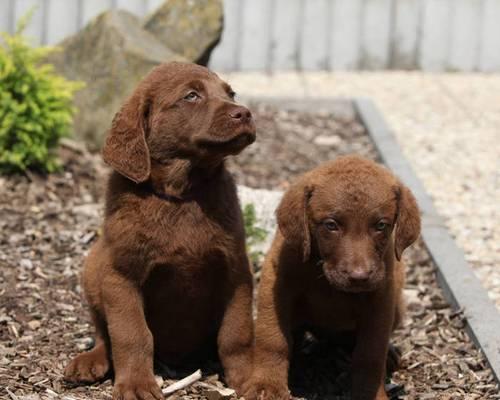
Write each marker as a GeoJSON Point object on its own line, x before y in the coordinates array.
{"type": "Point", "coordinates": [193, 240]}
{"type": "Point", "coordinates": [327, 309]}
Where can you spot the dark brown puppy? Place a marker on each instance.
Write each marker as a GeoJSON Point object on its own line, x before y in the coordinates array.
{"type": "Point", "coordinates": [335, 266]}
{"type": "Point", "coordinates": [171, 268]}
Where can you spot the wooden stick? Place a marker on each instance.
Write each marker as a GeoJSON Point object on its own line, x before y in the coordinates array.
{"type": "Point", "coordinates": [12, 395]}
{"type": "Point", "coordinates": [183, 383]}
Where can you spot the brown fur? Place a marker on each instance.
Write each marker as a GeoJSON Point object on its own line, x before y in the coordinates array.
{"type": "Point", "coordinates": [335, 268]}
{"type": "Point", "coordinates": [171, 268]}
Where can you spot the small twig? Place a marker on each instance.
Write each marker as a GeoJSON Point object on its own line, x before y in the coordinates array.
{"type": "Point", "coordinates": [30, 175]}
{"type": "Point", "coordinates": [183, 383]}
{"type": "Point", "coordinates": [51, 393]}
{"type": "Point", "coordinates": [223, 392]}
{"type": "Point", "coordinates": [12, 395]}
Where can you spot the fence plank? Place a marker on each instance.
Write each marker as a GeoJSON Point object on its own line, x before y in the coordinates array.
{"type": "Point", "coordinates": [376, 30]}
{"type": "Point", "coordinates": [225, 55]}
{"type": "Point", "coordinates": [405, 34]}
{"type": "Point", "coordinates": [255, 38]}
{"type": "Point", "coordinates": [285, 35]}
{"type": "Point", "coordinates": [489, 57]}
{"type": "Point", "coordinates": [35, 29]}
{"type": "Point", "coordinates": [345, 31]}
{"type": "Point", "coordinates": [465, 32]}
{"type": "Point", "coordinates": [435, 39]}
{"type": "Point", "coordinates": [63, 17]}
{"type": "Point", "coordinates": [314, 41]}
{"type": "Point", "coordinates": [6, 10]}
{"type": "Point", "coordinates": [432, 35]}
{"type": "Point", "coordinates": [92, 8]}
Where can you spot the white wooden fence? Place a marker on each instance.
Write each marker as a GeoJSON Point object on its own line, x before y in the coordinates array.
{"type": "Point", "coordinates": [433, 35]}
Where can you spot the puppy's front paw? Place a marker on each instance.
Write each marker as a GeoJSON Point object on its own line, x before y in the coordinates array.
{"type": "Point", "coordinates": [266, 390]}
{"type": "Point", "coordinates": [88, 367]}
{"type": "Point", "coordinates": [236, 378]}
{"type": "Point", "coordinates": [137, 388]}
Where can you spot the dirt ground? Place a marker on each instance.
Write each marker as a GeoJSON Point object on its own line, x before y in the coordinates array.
{"type": "Point", "coordinates": [47, 225]}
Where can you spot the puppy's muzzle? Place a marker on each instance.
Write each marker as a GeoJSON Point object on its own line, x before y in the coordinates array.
{"type": "Point", "coordinates": [236, 131]}
{"type": "Point", "coordinates": [350, 279]}
{"type": "Point", "coordinates": [245, 133]}
{"type": "Point", "coordinates": [240, 114]}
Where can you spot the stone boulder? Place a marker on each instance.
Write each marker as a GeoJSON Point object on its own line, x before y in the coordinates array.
{"type": "Point", "coordinates": [111, 54]}
{"type": "Point", "coordinates": [191, 28]}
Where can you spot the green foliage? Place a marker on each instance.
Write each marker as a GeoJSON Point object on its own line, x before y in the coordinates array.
{"type": "Point", "coordinates": [35, 105]}
{"type": "Point", "coordinates": [254, 234]}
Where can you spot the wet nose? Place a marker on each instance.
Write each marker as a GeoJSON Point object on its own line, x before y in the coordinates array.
{"type": "Point", "coordinates": [241, 114]}
{"type": "Point", "coordinates": [360, 275]}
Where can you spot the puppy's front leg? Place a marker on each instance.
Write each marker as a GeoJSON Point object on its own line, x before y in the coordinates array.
{"type": "Point", "coordinates": [131, 340]}
{"type": "Point", "coordinates": [235, 338]}
{"type": "Point", "coordinates": [370, 353]}
{"type": "Point", "coordinates": [273, 341]}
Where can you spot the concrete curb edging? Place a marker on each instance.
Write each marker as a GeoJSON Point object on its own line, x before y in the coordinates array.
{"type": "Point", "coordinates": [460, 286]}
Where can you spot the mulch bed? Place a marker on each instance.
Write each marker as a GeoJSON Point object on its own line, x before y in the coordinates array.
{"type": "Point", "coordinates": [47, 225]}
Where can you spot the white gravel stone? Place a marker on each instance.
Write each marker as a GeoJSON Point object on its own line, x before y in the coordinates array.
{"type": "Point", "coordinates": [332, 140]}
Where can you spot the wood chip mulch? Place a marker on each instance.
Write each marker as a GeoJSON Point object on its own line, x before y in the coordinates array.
{"type": "Point", "coordinates": [47, 225]}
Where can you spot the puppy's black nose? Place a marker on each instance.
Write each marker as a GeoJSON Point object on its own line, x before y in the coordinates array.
{"type": "Point", "coordinates": [241, 114]}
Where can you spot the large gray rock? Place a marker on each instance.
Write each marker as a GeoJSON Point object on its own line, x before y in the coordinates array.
{"type": "Point", "coordinates": [111, 54]}
{"type": "Point", "coordinates": [191, 28]}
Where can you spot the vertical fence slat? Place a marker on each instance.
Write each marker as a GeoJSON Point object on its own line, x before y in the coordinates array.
{"type": "Point", "coordinates": [255, 38]}
{"type": "Point", "coordinates": [62, 18]}
{"type": "Point", "coordinates": [434, 44]}
{"type": "Point", "coordinates": [5, 16]}
{"type": "Point", "coordinates": [405, 34]}
{"type": "Point", "coordinates": [35, 30]}
{"type": "Point", "coordinates": [224, 56]}
{"type": "Point", "coordinates": [376, 31]}
{"type": "Point", "coordinates": [314, 41]}
{"type": "Point", "coordinates": [489, 57]}
{"type": "Point", "coordinates": [345, 32]}
{"type": "Point", "coordinates": [465, 33]}
{"type": "Point", "coordinates": [285, 35]}
{"type": "Point", "coordinates": [92, 8]}
{"type": "Point", "coordinates": [432, 35]}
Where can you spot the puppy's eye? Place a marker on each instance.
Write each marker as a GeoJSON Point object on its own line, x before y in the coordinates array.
{"type": "Point", "coordinates": [331, 224]}
{"type": "Point", "coordinates": [192, 96]}
{"type": "Point", "coordinates": [232, 94]}
{"type": "Point", "coordinates": [380, 226]}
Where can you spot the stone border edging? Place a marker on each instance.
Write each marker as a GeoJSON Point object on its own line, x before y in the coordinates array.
{"type": "Point", "coordinates": [460, 286]}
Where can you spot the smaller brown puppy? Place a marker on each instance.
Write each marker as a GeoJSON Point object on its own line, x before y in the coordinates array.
{"type": "Point", "coordinates": [170, 271]}
{"type": "Point", "coordinates": [335, 267]}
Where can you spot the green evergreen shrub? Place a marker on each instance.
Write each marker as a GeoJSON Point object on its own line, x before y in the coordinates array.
{"type": "Point", "coordinates": [36, 107]}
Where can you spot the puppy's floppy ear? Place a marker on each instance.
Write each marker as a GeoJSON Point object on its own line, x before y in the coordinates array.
{"type": "Point", "coordinates": [292, 217]}
{"type": "Point", "coordinates": [125, 148]}
{"type": "Point", "coordinates": [407, 220]}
